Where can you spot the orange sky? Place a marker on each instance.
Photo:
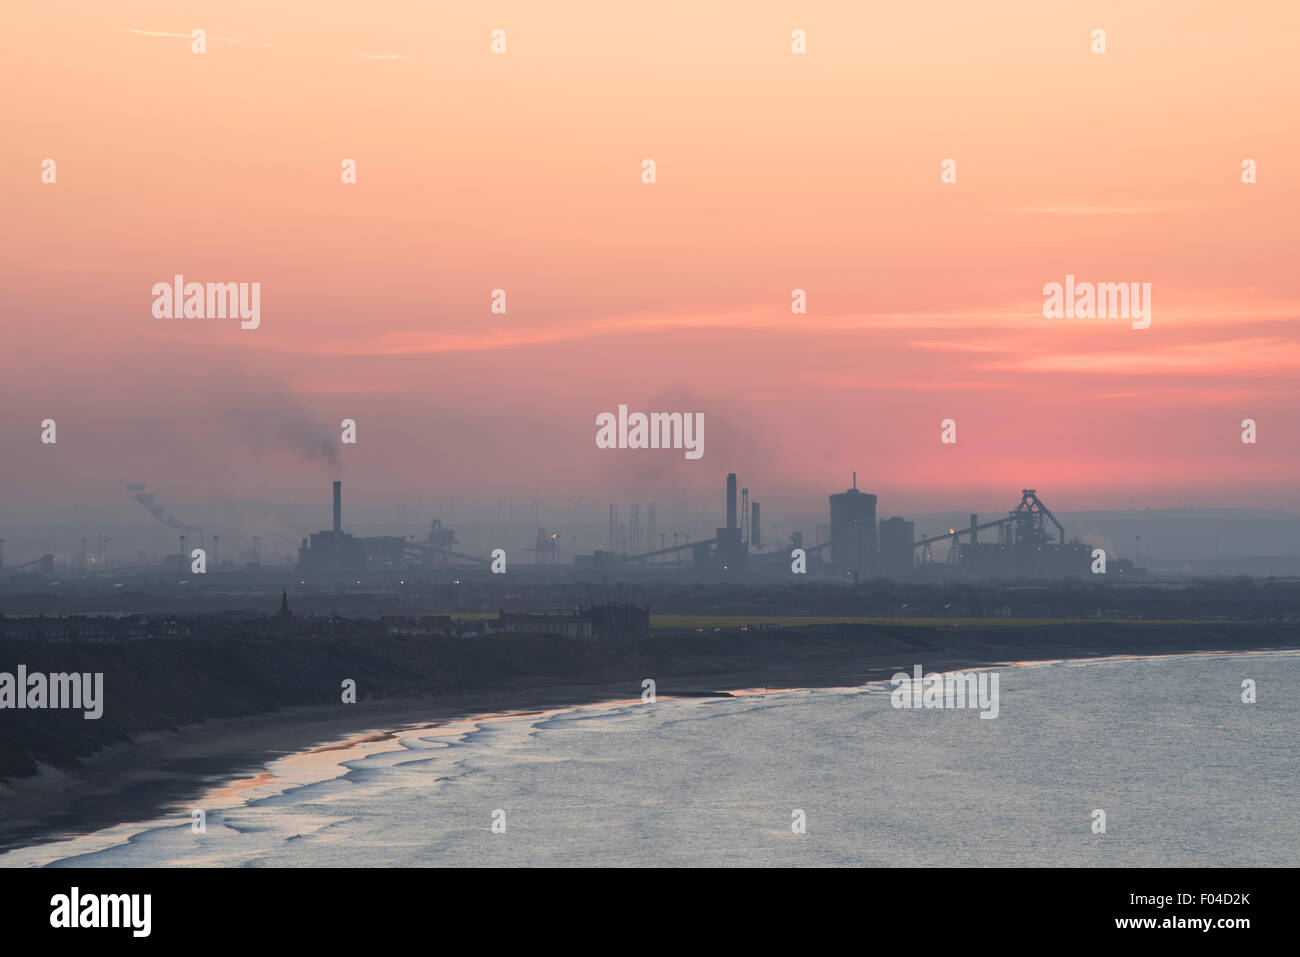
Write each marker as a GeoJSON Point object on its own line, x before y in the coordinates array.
{"type": "Point", "coordinates": [775, 171]}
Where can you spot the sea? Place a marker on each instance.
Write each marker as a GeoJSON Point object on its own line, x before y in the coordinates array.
{"type": "Point", "coordinates": [1143, 761]}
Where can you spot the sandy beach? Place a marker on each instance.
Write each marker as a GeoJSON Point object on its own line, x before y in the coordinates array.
{"type": "Point", "coordinates": [164, 771]}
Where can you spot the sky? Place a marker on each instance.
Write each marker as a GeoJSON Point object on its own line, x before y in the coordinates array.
{"type": "Point", "coordinates": [775, 171]}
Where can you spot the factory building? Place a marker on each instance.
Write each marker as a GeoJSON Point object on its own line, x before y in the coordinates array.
{"type": "Point", "coordinates": [1026, 545]}
{"type": "Point", "coordinates": [896, 551]}
{"type": "Point", "coordinates": [733, 550]}
{"type": "Point", "coordinates": [853, 531]}
{"type": "Point", "coordinates": [338, 551]}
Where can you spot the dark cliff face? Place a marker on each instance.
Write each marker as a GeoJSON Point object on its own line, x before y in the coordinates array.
{"type": "Point", "coordinates": [161, 684]}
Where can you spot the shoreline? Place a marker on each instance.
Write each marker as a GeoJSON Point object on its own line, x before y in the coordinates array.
{"type": "Point", "coordinates": [161, 773]}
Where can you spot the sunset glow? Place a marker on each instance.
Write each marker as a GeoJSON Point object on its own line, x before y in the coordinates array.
{"type": "Point", "coordinates": [774, 173]}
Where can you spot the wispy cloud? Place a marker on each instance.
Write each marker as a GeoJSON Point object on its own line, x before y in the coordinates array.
{"type": "Point", "coordinates": [856, 382]}
{"type": "Point", "coordinates": [961, 345]}
{"type": "Point", "coordinates": [471, 339]}
{"type": "Point", "coordinates": [57, 267]}
{"type": "Point", "coordinates": [1082, 210]}
{"type": "Point", "coordinates": [150, 33]}
{"type": "Point", "coordinates": [1215, 358]}
{"type": "Point", "coordinates": [160, 33]}
{"type": "Point", "coordinates": [757, 319]}
{"type": "Point", "coordinates": [951, 330]}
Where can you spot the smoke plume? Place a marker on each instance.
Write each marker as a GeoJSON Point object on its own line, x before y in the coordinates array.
{"type": "Point", "coordinates": [156, 508]}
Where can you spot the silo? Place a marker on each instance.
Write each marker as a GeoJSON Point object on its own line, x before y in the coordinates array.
{"type": "Point", "coordinates": [896, 552]}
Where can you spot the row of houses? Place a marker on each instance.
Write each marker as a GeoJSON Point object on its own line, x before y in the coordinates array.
{"type": "Point", "coordinates": [92, 628]}
{"type": "Point", "coordinates": [593, 622]}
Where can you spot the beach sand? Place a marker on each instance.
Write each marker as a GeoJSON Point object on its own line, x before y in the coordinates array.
{"type": "Point", "coordinates": [166, 772]}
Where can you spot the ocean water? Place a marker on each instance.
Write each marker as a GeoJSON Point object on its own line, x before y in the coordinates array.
{"type": "Point", "coordinates": [1186, 773]}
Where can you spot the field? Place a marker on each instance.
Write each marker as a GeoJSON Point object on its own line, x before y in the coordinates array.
{"type": "Point", "coordinates": [672, 622]}
{"type": "Point", "coordinates": [794, 621]}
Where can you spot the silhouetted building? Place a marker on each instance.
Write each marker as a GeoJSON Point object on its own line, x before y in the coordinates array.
{"type": "Point", "coordinates": [733, 550]}
{"type": "Point", "coordinates": [1026, 545]}
{"type": "Point", "coordinates": [619, 621]}
{"type": "Point", "coordinates": [337, 551]}
{"type": "Point", "coordinates": [896, 552]}
{"type": "Point", "coordinates": [853, 530]}
{"type": "Point", "coordinates": [383, 551]}
{"type": "Point", "coordinates": [331, 552]}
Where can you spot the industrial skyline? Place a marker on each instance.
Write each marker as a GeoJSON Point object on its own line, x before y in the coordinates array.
{"type": "Point", "coordinates": [536, 532]}
{"type": "Point", "coordinates": [855, 544]}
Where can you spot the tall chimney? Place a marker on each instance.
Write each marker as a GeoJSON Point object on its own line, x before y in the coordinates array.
{"type": "Point", "coordinates": [731, 500]}
{"type": "Point", "coordinates": [755, 536]}
{"type": "Point", "coordinates": [338, 507]}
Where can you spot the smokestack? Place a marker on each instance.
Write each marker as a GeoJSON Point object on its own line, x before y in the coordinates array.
{"type": "Point", "coordinates": [338, 507]}
{"type": "Point", "coordinates": [755, 536]}
{"type": "Point", "coordinates": [731, 500]}
{"type": "Point", "coordinates": [974, 523]}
